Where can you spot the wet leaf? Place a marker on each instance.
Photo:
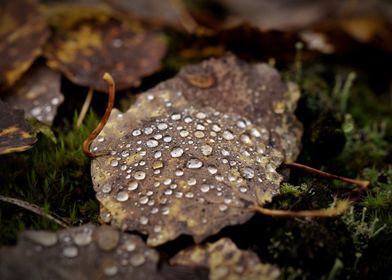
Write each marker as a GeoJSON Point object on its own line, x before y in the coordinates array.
{"type": "Point", "coordinates": [15, 133]}
{"type": "Point", "coordinates": [79, 253]}
{"type": "Point", "coordinates": [86, 47]}
{"type": "Point", "coordinates": [225, 261]}
{"type": "Point", "coordinates": [37, 93]}
{"type": "Point", "coordinates": [255, 91]}
{"type": "Point", "coordinates": [169, 167]}
{"type": "Point", "coordinates": [23, 32]}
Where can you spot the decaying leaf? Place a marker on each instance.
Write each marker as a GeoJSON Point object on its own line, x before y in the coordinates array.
{"type": "Point", "coordinates": [37, 93]}
{"type": "Point", "coordinates": [15, 133]}
{"type": "Point", "coordinates": [23, 32]}
{"type": "Point", "coordinates": [168, 167]}
{"type": "Point", "coordinates": [87, 47]}
{"type": "Point", "coordinates": [254, 91]}
{"type": "Point", "coordinates": [86, 252]}
{"type": "Point", "coordinates": [225, 261]}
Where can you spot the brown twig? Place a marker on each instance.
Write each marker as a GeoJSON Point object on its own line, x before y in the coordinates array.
{"type": "Point", "coordinates": [362, 184]}
{"type": "Point", "coordinates": [340, 208]}
{"type": "Point", "coordinates": [33, 208]}
{"type": "Point", "coordinates": [112, 91]}
{"type": "Point", "coordinates": [187, 21]}
{"type": "Point", "coordinates": [85, 107]}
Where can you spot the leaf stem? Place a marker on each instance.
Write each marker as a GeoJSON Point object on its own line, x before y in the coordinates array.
{"type": "Point", "coordinates": [362, 184]}
{"type": "Point", "coordinates": [112, 91]}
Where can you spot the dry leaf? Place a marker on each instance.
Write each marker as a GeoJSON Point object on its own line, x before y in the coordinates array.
{"type": "Point", "coordinates": [23, 32]}
{"type": "Point", "coordinates": [171, 167]}
{"type": "Point", "coordinates": [37, 93]}
{"type": "Point", "coordinates": [225, 261]}
{"type": "Point", "coordinates": [86, 47]}
{"type": "Point", "coordinates": [15, 133]}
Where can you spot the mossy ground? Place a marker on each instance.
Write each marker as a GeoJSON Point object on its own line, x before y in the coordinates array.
{"type": "Point", "coordinates": [347, 132]}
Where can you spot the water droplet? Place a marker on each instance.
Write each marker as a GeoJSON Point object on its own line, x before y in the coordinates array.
{"type": "Point", "coordinates": [247, 173]}
{"type": "Point", "coordinates": [132, 186]}
{"type": "Point", "coordinates": [137, 259]}
{"type": "Point", "coordinates": [148, 130]}
{"type": "Point", "coordinates": [189, 195]}
{"type": "Point", "coordinates": [205, 188]}
{"type": "Point", "coordinates": [199, 134]}
{"type": "Point", "coordinates": [143, 200]}
{"type": "Point", "coordinates": [201, 115]}
{"type": "Point", "coordinates": [192, 182]}
{"type": "Point", "coordinates": [167, 139]}
{"type": "Point", "coordinates": [223, 207]}
{"type": "Point", "coordinates": [129, 246]}
{"type": "Point", "coordinates": [125, 153]}
{"type": "Point", "coordinates": [175, 117]}
{"type": "Point", "coordinates": [152, 143]}
{"type": "Point", "coordinates": [83, 238]}
{"type": "Point", "coordinates": [158, 136]}
{"type": "Point", "coordinates": [176, 152]}
{"type": "Point", "coordinates": [206, 150]}
{"type": "Point", "coordinates": [162, 126]}
{"type": "Point", "coordinates": [216, 128]}
{"type": "Point", "coordinates": [122, 196]}
{"type": "Point", "coordinates": [136, 132]}
{"type": "Point", "coordinates": [165, 211]}
{"type": "Point", "coordinates": [157, 228]}
{"type": "Point", "coordinates": [212, 169]}
{"type": "Point", "coordinates": [179, 194]}
{"type": "Point", "coordinates": [254, 132]}
{"type": "Point", "coordinates": [44, 238]}
{"type": "Point", "coordinates": [110, 270]}
{"type": "Point", "coordinates": [158, 154]}
{"type": "Point", "coordinates": [100, 139]}
{"type": "Point", "coordinates": [167, 182]}
{"type": "Point", "coordinates": [225, 153]}
{"type": "Point", "coordinates": [200, 127]}
{"type": "Point", "coordinates": [106, 188]}
{"type": "Point", "coordinates": [179, 172]}
{"type": "Point", "coordinates": [55, 101]}
{"type": "Point", "coordinates": [143, 220]}
{"type": "Point", "coordinates": [227, 200]}
{"type": "Point", "coordinates": [194, 163]}
{"type": "Point", "coordinates": [243, 189]}
{"type": "Point", "coordinates": [188, 119]}
{"type": "Point", "coordinates": [228, 135]}
{"type": "Point", "coordinates": [184, 133]}
{"type": "Point", "coordinates": [70, 252]}
{"type": "Point", "coordinates": [241, 124]}
{"type": "Point", "coordinates": [114, 163]}
{"type": "Point", "coordinates": [139, 175]}
{"type": "Point", "coordinates": [154, 210]}
{"type": "Point", "coordinates": [246, 139]}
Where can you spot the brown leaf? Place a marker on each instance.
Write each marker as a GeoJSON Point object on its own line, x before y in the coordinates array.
{"type": "Point", "coordinates": [37, 93]}
{"type": "Point", "coordinates": [86, 252]}
{"type": "Point", "coordinates": [171, 167]}
{"type": "Point", "coordinates": [23, 32]}
{"type": "Point", "coordinates": [225, 261]}
{"type": "Point", "coordinates": [14, 131]}
{"type": "Point", "coordinates": [87, 47]}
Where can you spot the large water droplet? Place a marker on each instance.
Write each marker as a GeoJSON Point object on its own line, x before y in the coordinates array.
{"type": "Point", "coordinates": [192, 181]}
{"type": "Point", "coordinates": [70, 252]}
{"type": "Point", "coordinates": [139, 175]}
{"type": "Point", "coordinates": [137, 259]}
{"type": "Point", "coordinates": [228, 135]}
{"type": "Point", "coordinates": [143, 200]}
{"type": "Point", "coordinates": [184, 133]}
{"type": "Point", "coordinates": [175, 117]}
{"type": "Point", "coordinates": [148, 130]}
{"type": "Point", "coordinates": [110, 270]}
{"type": "Point", "coordinates": [201, 115]}
{"type": "Point", "coordinates": [132, 186]}
{"type": "Point", "coordinates": [176, 152]}
{"type": "Point", "coordinates": [114, 163]}
{"type": "Point", "coordinates": [106, 188]}
{"type": "Point", "coordinates": [194, 163]}
{"type": "Point", "coordinates": [122, 196]}
{"type": "Point", "coordinates": [167, 139]}
{"type": "Point", "coordinates": [206, 150]}
{"type": "Point", "coordinates": [42, 237]}
{"type": "Point", "coordinates": [216, 128]}
{"type": "Point", "coordinates": [152, 143]}
{"type": "Point", "coordinates": [162, 126]}
{"type": "Point", "coordinates": [246, 139]}
{"type": "Point", "coordinates": [247, 173]}
{"type": "Point", "coordinates": [136, 132]}
{"type": "Point", "coordinates": [200, 127]}
{"type": "Point", "coordinates": [205, 188]}
{"type": "Point", "coordinates": [179, 172]}
{"type": "Point", "coordinates": [189, 195]}
{"type": "Point", "coordinates": [83, 238]}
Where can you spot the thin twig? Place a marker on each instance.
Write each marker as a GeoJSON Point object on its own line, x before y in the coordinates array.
{"type": "Point", "coordinates": [112, 91]}
{"type": "Point", "coordinates": [33, 208]}
{"type": "Point", "coordinates": [85, 107]}
{"type": "Point", "coordinates": [187, 21]}
{"type": "Point", "coordinates": [362, 184]}
{"type": "Point", "coordinates": [340, 208]}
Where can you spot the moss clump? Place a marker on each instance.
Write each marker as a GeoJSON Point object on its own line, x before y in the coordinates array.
{"type": "Point", "coordinates": [54, 176]}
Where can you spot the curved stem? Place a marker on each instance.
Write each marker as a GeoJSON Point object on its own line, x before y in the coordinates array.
{"type": "Point", "coordinates": [340, 208]}
{"type": "Point", "coordinates": [112, 91]}
{"type": "Point", "coordinates": [362, 184]}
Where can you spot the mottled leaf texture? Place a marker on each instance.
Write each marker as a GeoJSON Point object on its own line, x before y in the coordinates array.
{"type": "Point", "coordinates": [254, 91]}
{"type": "Point", "coordinates": [86, 252]}
{"type": "Point", "coordinates": [168, 168]}
{"type": "Point", "coordinates": [37, 93]}
{"type": "Point", "coordinates": [225, 261]}
{"type": "Point", "coordinates": [84, 49]}
{"type": "Point", "coordinates": [23, 32]}
{"type": "Point", "coordinates": [14, 131]}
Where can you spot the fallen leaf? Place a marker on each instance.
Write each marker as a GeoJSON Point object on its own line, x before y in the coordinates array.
{"type": "Point", "coordinates": [169, 166]}
{"type": "Point", "coordinates": [37, 93]}
{"type": "Point", "coordinates": [86, 252]}
{"type": "Point", "coordinates": [225, 261]}
{"type": "Point", "coordinates": [83, 49]}
{"type": "Point", "coordinates": [255, 91]}
{"type": "Point", "coordinates": [23, 32]}
{"type": "Point", "coordinates": [15, 133]}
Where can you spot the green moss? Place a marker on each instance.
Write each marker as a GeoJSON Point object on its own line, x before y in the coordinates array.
{"type": "Point", "coordinates": [54, 176]}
